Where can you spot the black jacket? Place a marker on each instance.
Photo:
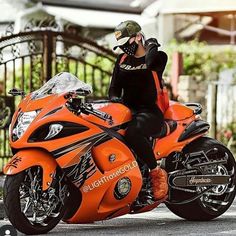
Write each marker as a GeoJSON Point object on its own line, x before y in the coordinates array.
{"type": "Point", "coordinates": [133, 79]}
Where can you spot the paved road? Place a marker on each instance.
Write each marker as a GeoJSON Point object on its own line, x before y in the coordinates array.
{"type": "Point", "coordinates": [158, 222]}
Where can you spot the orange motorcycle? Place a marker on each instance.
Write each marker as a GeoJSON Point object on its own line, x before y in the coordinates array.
{"type": "Point", "coordinates": [71, 161]}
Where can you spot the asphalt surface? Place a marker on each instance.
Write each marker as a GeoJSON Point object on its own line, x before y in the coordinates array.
{"type": "Point", "coordinates": [157, 222]}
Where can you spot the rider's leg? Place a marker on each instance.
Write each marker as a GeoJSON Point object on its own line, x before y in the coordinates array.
{"type": "Point", "coordinates": [140, 129]}
{"type": "Point", "coordinates": [159, 182]}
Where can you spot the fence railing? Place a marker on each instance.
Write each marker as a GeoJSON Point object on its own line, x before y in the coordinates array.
{"type": "Point", "coordinates": [30, 58]}
{"type": "Point", "coordinates": [221, 104]}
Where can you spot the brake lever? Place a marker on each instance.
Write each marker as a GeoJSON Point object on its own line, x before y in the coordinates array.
{"type": "Point", "coordinates": [110, 121]}
{"type": "Point", "coordinates": [88, 109]}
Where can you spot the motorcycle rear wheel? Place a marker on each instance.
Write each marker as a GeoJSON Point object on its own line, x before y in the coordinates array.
{"type": "Point", "coordinates": [29, 209]}
{"type": "Point", "coordinates": [213, 203]}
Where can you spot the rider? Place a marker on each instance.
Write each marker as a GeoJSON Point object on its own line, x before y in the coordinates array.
{"type": "Point", "coordinates": [133, 80]}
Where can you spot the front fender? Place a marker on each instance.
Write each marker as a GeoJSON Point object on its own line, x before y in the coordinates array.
{"type": "Point", "coordinates": [24, 159]}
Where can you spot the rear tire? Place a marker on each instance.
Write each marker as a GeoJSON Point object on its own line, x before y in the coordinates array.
{"type": "Point", "coordinates": [18, 191]}
{"type": "Point", "coordinates": [213, 203]}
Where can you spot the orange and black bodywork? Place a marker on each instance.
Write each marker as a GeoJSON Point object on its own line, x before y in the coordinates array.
{"type": "Point", "coordinates": [92, 152]}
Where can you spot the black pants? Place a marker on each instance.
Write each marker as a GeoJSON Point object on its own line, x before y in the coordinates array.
{"type": "Point", "coordinates": [143, 125]}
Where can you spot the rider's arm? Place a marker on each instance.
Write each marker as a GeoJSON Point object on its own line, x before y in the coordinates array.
{"type": "Point", "coordinates": [115, 89]}
{"type": "Point", "coordinates": [155, 60]}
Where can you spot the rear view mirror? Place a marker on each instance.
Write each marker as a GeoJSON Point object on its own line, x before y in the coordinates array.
{"type": "Point", "coordinates": [17, 92]}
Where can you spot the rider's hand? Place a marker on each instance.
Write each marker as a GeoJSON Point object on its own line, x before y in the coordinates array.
{"type": "Point", "coordinates": [151, 42]}
{"type": "Point", "coordinates": [116, 100]}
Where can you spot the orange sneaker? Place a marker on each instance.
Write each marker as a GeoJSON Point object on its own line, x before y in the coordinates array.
{"type": "Point", "coordinates": [159, 183]}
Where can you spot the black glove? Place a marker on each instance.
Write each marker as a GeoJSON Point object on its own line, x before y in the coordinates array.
{"type": "Point", "coordinates": [116, 100]}
{"type": "Point", "coordinates": [151, 41]}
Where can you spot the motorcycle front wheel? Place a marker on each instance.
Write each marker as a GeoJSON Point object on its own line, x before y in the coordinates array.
{"type": "Point", "coordinates": [30, 209]}
{"type": "Point", "coordinates": [216, 201]}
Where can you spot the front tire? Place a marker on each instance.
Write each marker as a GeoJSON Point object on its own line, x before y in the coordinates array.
{"type": "Point", "coordinates": [213, 203]}
{"type": "Point", "coordinates": [29, 209]}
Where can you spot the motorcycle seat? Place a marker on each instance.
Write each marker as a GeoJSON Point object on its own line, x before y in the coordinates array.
{"type": "Point", "coordinates": [168, 127]}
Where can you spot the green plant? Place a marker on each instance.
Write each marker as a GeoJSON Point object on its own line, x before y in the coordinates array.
{"type": "Point", "coordinates": [227, 136]}
{"type": "Point", "coordinates": [199, 58]}
{"type": "Point", "coordinates": [95, 70]}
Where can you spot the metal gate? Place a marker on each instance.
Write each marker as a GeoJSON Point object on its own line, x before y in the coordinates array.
{"type": "Point", "coordinates": [222, 112]}
{"type": "Point", "coordinates": [30, 58]}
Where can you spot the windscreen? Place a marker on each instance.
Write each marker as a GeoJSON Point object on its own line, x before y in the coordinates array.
{"type": "Point", "coordinates": [61, 83]}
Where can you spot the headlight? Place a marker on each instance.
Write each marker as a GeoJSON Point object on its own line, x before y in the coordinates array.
{"type": "Point", "coordinates": [23, 121]}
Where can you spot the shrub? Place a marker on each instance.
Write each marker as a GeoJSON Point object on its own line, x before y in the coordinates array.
{"type": "Point", "coordinates": [202, 59]}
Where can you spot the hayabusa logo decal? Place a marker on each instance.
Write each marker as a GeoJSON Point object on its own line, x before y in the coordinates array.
{"type": "Point", "coordinates": [14, 162]}
{"type": "Point", "coordinates": [82, 166]}
{"type": "Point", "coordinates": [83, 170]}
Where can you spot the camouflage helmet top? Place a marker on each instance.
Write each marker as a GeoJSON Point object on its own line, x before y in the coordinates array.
{"type": "Point", "coordinates": [125, 30]}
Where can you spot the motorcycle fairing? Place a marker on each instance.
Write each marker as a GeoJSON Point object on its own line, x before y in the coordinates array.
{"type": "Point", "coordinates": [183, 115]}
{"type": "Point", "coordinates": [53, 111]}
{"type": "Point", "coordinates": [88, 142]}
{"type": "Point", "coordinates": [98, 199]}
{"type": "Point", "coordinates": [69, 128]}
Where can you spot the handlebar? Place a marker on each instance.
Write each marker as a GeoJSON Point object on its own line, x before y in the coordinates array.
{"type": "Point", "coordinates": [88, 109]}
{"type": "Point", "coordinates": [198, 106]}
{"type": "Point", "coordinates": [17, 92]}
{"type": "Point", "coordinates": [76, 106]}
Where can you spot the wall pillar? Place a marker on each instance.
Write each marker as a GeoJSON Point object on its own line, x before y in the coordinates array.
{"type": "Point", "coordinates": [176, 71]}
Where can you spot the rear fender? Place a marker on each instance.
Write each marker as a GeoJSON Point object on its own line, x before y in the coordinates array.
{"type": "Point", "coordinates": [24, 159]}
{"type": "Point", "coordinates": [195, 128]}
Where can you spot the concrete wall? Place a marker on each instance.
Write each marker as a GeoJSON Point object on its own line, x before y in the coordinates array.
{"type": "Point", "coordinates": [193, 89]}
{"type": "Point", "coordinates": [165, 30]}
